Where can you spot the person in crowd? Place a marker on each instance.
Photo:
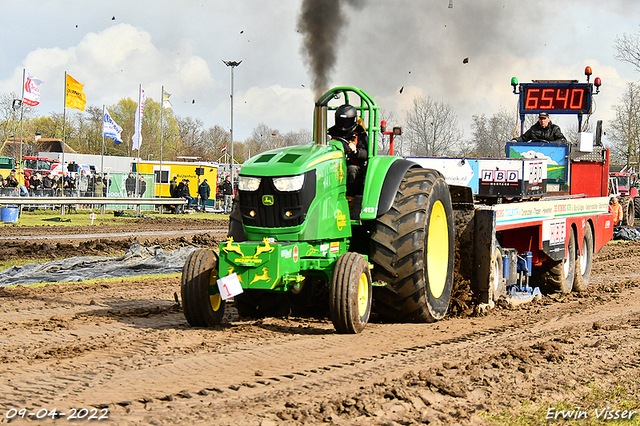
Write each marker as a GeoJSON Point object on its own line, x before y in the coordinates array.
{"type": "Point", "coordinates": [57, 185]}
{"type": "Point", "coordinates": [66, 190]}
{"type": "Point", "coordinates": [544, 130]}
{"type": "Point", "coordinates": [616, 208]}
{"type": "Point", "coordinates": [130, 185]}
{"type": "Point", "coordinates": [227, 191]}
{"type": "Point", "coordinates": [47, 186]}
{"type": "Point", "coordinates": [98, 186]}
{"type": "Point", "coordinates": [142, 186]}
{"type": "Point", "coordinates": [173, 185]}
{"type": "Point", "coordinates": [204, 191]}
{"type": "Point", "coordinates": [106, 180]}
{"type": "Point", "coordinates": [14, 182]}
{"type": "Point", "coordinates": [35, 184]}
{"type": "Point", "coordinates": [186, 194]}
{"type": "Point", "coordinates": [177, 193]}
{"type": "Point", "coordinates": [355, 140]}
{"type": "Point", "coordinates": [82, 183]}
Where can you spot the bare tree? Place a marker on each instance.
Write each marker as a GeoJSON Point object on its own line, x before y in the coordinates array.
{"type": "Point", "coordinates": [624, 131]}
{"type": "Point", "coordinates": [431, 129]}
{"type": "Point", "coordinates": [628, 47]}
{"type": "Point", "coordinates": [490, 135]}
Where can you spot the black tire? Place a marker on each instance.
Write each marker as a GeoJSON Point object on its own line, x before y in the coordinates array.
{"type": "Point", "coordinates": [201, 301]}
{"type": "Point", "coordinates": [584, 262]}
{"type": "Point", "coordinates": [498, 282]}
{"type": "Point", "coordinates": [350, 294]}
{"type": "Point", "coordinates": [628, 211]}
{"type": "Point", "coordinates": [413, 250]}
{"type": "Point", "coordinates": [311, 300]}
{"type": "Point", "coordinates": [636, 206]}
{"type": "Point", "coordinates": [557, 276]}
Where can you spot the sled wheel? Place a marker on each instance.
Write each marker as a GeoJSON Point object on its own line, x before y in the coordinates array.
{"type": "Point", "coordinates": [558, 276]}
{"type": "Point", "coordinates": [628, 212]}
{"type": "Point", "coordinates": [201, 301]}
{"type": "Point", "coordinates": [585, 261]}
{"type": "Point", "coordinates": [413, 250]}
{"type": "Point", "coordinates": [350, 300]}
{"type": "Point", "coordinates": [498, 282]}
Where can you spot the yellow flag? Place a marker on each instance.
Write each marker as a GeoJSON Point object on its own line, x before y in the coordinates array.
{"type": "Point", "coordinates": [75, 97]}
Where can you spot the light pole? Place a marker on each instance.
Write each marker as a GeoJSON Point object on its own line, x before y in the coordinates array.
{"type": "Point", "coordinates": [231, 64]}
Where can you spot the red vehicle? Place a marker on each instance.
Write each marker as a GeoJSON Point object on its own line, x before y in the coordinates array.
{"type": "Point", "coordinates": [40, 165]}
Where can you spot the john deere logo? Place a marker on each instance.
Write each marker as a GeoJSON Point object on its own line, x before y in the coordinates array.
{"type": "Point", "coordinates": [267, 200]}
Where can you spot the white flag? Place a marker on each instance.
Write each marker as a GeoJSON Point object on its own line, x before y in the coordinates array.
{"type": "Point", "coordinates": [165, 99]}
{"type": "Point", "coordinates": [137, 136]}
{"type": "Point", "coordinates": [31, 93]}
{"type": "Point", "coordinates": [110, 128]}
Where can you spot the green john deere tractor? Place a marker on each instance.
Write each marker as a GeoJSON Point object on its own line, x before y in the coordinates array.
{"type": "Point", "coordinates": [295, 238]}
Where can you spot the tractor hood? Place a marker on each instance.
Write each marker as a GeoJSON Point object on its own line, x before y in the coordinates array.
{"type": "Point", "coordinates": [291, 160]}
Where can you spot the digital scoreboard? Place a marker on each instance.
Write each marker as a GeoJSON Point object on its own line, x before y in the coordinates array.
{"type": "Point", "coordinates": [555, 98]}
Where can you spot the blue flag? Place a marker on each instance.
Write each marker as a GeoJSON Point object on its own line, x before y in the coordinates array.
{"type": "Point", "coordinates": [110, 128]}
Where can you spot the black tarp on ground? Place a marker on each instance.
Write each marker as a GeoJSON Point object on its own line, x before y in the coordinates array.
{"type": "Point", "coordinates": [138, 260]}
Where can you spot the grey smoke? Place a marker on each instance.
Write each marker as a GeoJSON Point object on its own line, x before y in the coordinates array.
{"type": "Point", "coordinates": [322, 22]}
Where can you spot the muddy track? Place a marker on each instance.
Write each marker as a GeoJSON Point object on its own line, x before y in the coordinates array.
{"type": "Point", "coordinates": [126, 348]}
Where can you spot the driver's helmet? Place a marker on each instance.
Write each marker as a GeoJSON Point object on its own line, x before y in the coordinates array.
{"type": "Point", "coordinates": [346, 118]}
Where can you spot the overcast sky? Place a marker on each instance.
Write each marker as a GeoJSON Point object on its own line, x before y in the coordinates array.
{"type": "Point", "coordinates": [383, 46]}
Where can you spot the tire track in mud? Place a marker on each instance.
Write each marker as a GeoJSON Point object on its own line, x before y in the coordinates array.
{"type": "Point", "coordinates": [117, 381]}
{"type": "Point", "coordinates": [151, 365]}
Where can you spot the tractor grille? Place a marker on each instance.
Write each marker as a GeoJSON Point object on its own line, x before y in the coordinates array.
{"type": "Point", "coordinates": [287, 208]}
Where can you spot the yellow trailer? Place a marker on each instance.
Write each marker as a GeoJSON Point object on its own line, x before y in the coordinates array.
{"type": "Point", "coordinates": [195, 171]}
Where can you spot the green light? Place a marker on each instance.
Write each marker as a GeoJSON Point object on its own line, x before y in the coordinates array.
{"type": "Point", "coordinates": [514, 81]}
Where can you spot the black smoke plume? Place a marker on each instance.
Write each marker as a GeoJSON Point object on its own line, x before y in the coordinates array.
{"type": "Point", "coordinates": [321, 22]}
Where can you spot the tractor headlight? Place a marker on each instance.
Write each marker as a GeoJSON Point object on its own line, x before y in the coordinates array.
{"type": "Point", "coordinates": [247, 183]}
{"type": "Point", "coordinates": [289, 183]}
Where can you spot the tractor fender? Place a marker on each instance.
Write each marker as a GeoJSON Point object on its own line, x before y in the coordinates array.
{"type": "Point", "coordinates": [391, 183]}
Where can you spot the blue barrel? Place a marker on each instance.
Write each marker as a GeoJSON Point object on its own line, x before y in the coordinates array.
{"type": "Point", "coordinates": [9, 214]}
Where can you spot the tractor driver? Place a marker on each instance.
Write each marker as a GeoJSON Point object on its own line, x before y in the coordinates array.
{"type": "Point", "coordinates": [544, 130]}
{"type": "Point", "coordinates": [356, 143]}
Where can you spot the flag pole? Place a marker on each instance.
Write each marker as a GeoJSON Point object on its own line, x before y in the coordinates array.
{"type": "Point", "coordinates": [24, 70]}
{"type": "Point", "coordinates": [161, 135]}
{"type": "Point", "coordinates": [102, 154]}
{"type": "Point", "coordinates": [64, 121]}
{"type": "Point", "coordinates": [139, 136]}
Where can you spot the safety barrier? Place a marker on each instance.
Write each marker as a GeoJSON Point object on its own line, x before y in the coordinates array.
{"type": "Point", "coordinates": [101, 202]}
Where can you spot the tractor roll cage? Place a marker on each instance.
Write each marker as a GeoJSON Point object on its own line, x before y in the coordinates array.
{"type": "Point", "coordinates": [367, 110]}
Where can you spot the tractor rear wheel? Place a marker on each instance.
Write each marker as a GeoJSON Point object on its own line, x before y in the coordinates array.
{"type": "Point", "coordinates": [413, 250]}
{"type": "Point", "coordinates": [628, 211]}
{"type": "Point", "coordinates": [585, 261]}
{"type": "Point", "coordinates": [350, 298]}
{"type": "Point", "coordinates": [201, 301]}
{"type": "Point", "coordinates": [636, 205]}
{"type": "Point", "coordinates": [557, 276]}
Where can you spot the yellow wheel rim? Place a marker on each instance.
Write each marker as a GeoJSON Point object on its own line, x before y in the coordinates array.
{"type": "Point", "coordinates": [214, 299]}
{"type": "Point", "coordinates": [363, 294]}
{"type": "Point", "coordinates": [437, 250]}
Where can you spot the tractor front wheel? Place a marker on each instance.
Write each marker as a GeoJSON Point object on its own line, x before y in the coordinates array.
{"type": "Point", "coordinates": [201, 301]}
{"type": "Point", "coordinates": [350, 299]}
